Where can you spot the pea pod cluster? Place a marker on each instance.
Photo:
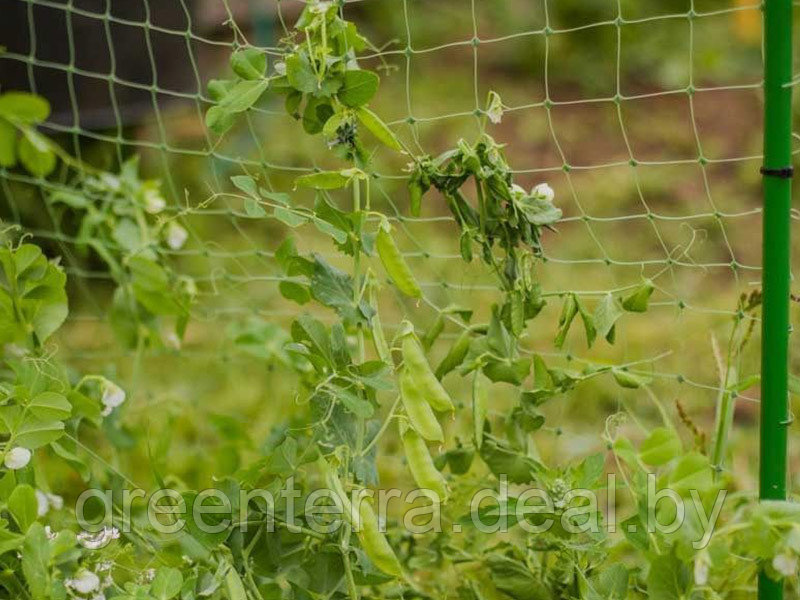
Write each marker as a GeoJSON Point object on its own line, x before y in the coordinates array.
{"type": "Point", "coordinates": [430, 481]}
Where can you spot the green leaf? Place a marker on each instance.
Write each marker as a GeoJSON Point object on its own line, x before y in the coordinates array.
{"type": "Point", "coordinates": [246, 184]}
{"type": "Point", "coordinates": [300, 74]}
{"type": "Point", "coordinates": [588, 323]}
{"type": "Point", "coordinates": [36, 562]}
{"type": "Point", "coordinates": [8, 144]}
{"type": "Point", "coordinates": [324, 180]}
{"type": "Point", "coordinates": [294, 291]}
{"type": "Point", "coordinates": [238, 99]}
{"type": "Point", "coordinates": [24, 107]}
{"type": "Point", "coordinates": [538, 211]}
{"type": "Point", "coordinates": [317, 113]}
{"type": "Point", "coordinates": [606, 314]}
{"type": "Point", "coordinates": [568, 312]}
{"type": "Point", "coordinates": [693, 472]}
{"type": "Point", "coordinates": [35, 433]}
{"type": "Point", "coordinates": [358, 88]}
{"type": "Point", "coordinates": [334, 288]}
{"type": "Point", "coordinates": [660, 447]}
{"type": "Point", "coordinates": [50, 405]}
{"type": "Point", "coordinates": [378, 128]}
{"type": "Point", "coordinates": [516, 579]}
{"type": "Point", "coordinates": [166, 584]}
{"type": "Point", "coordinates": [35, 154]}
{"type": "Point", "coordinates": [23, 506]}
{"type": "Point", "coordinates": [668, 578]}
{"type": "Point", "coordinates": [253, 209]}
{"type": "Point", "coordinates": [638, 300]}
{"type": "Point", "coordinates": [250, 63]}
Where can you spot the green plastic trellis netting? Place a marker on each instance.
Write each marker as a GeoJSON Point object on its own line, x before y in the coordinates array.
{"type": "Point", "coordinates": [643, 116]}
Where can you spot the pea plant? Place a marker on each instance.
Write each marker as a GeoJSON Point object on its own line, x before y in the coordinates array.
{"type": "Point", "coordinates": [116, 217]}
{"type": "Point", "coordinates": [367, 393]}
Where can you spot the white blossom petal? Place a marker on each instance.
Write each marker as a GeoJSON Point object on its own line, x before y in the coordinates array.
{"type": "Point", "coordinates": [543, 191]}
{"type": "Point", "coordinates": [17, 458]}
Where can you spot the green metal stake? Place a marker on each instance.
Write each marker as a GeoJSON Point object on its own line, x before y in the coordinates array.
{"type": "Point", "coordinates": [776, 259]}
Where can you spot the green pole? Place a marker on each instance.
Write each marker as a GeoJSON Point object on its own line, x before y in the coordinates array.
{"type": "Point", "coordinates": [776, 256]}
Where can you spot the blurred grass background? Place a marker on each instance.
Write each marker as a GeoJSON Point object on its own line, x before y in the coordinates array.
{"type": "Point", "coordinates": [643, 115]}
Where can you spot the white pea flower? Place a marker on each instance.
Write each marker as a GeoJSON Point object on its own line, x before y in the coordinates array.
{"type": "Point", "coordinates": [517, 191]}
{"type": "Point", "coordinates": [56, 501]}
{"type": "Point", "coordinates": [320, 7]}
{"type": "Point", "coordinates": [99, 539]}
{"type": "Point", "coordinates": [494, 109]}
{"type": "Point", "coordinates": [46, 501]}
{"type": "Point", "coordinates": [543, 191]}
{"type": "Point", "coordinates": [17, 458]}
{"type": "Point", "coordinates": [176, 236]}
{"type": "Point", "coordinates": [785, 564]}
{"type": "Point", "coordinates": [154, 202]}
{"type": "Point", "coordinates": [280, 68]}
{"type": "Point", "coordinates": [51, 535]}
{"type": "Point", "coordinates": [84, 582]}
{"type": "Point", "coordinates": [42, 504]}
{"type": "Point", "coordinates": [113, 396]}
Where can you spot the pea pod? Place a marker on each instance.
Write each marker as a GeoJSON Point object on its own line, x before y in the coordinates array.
{"type": "Point", "coordinates": [396, 266]}
{"type": "Point", "coordinates": [455, 356]}
{"type": "Point", "coordinates": [378, 339]}
{"type": "Point", "coordinates": [234, 585]}
{"type": "Point", "coordinates": [480, 402]}
{"type": "Point", "coordinates": [417, 365]}
{"type": "Point", "coordinates": [364, 522]}
{"type": "Point", "coordinates": [430, 481]}
{"type": "Point", "coordinates": [374, 542]}
{"type": "Point", "coordinates": [417, 408]}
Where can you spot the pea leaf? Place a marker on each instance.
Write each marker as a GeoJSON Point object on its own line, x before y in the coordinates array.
{"type": "Point", "coordinates": [247, 184]}
{"type": "Point", "coordinates": [693, 472]}
{"type": "Point", "coordinates": [250, 63]}
{"type": "Point", "coordinates": [50, 405]}
{"type": "Point", "coordinates": [23, 506]}
{"type": "Point", "coordinates": [378, 128]}
{"type": "Point", "coordinates": [34, 433]}
{"type": "Point", "coordinates": [300, 74]}
{"type": "Point", "coordinates": [239, 98]}
{"type": "Point", "coordinates": [36, 562]}
{"type": "Point", "coordinates": [660, 447]}
{"type": "Point", "coordinates": [35, 154]}
{"type": "Point", "coordinates": [334, 288]}
{"type": "Point", "coordinates": [568, 312]}
{"type": "Point", "coordinates": [358, 88]}
{"type": "Point", "coordinates": [8, 144]}
{"type": "Point", "coordinates": [24, 107]}
{"type": "Point", "coordinates": [166, 584]}
{"type": "Point", "coordinates": [606, 314]}
{"type": "Point", "coordinates": [638, 300]}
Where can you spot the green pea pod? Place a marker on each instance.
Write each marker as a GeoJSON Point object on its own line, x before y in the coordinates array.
{"type": "Point", "coordinates": [364, 522]}
{"type": "Point", "coordinates": [480, 406]}
{"type": "Point", "coordinates": [374, 542]}
{"type": "Point", "coordinates": [430, 481]}
{"type": "Point", "coordinates": [378, 339]}
{"type": "Point", "coordinates": [394, 263]}
{"type": "Point", "coordinates": [234, 585]}
{"type": "Point", "coordinates": [417, 408]}
{"type": "Point", "coordinates": [455, 356]}
{"type": "Point", "coordinates": [430, 387]}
